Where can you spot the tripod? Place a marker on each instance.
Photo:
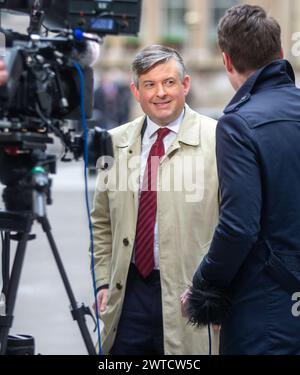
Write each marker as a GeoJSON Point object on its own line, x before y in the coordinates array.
{"type": "Point", "coordinates": [21, 224]}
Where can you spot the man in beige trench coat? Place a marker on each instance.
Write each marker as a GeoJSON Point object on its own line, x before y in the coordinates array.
{"type": "Point", "coordinates": [141, 311]}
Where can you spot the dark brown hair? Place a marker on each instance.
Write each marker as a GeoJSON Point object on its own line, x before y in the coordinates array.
{"type": "Point", "coordinates": [250, 37]}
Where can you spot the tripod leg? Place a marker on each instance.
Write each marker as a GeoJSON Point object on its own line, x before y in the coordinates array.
{"type": "Point", "coordinates": [5, 261]}
{"type": "Point", "coordinates": [13, 284]}
{"type": "Point", "coordinates": [78, 313]}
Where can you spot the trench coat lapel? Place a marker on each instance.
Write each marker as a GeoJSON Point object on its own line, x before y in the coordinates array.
{"type": "Point", "coordinates": [132, 142]}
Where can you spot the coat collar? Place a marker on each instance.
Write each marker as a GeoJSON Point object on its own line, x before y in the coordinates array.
{"type": "Point", "coordinates": [277, 73]}
{"type": "Point", "coordinates": [189, 132]}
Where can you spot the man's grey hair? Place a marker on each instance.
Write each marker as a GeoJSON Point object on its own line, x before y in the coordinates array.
{"type": "Point", "coordinates": [154, 55]}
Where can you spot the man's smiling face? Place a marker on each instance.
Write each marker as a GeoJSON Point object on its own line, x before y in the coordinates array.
{"type": "Point", "coordinates": [161, 92]}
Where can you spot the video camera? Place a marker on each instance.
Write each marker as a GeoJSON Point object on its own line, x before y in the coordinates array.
{"type": "Point", "coordinates": [50, 83]}
{"type": "Point", "coordinates": [45, 87]}
{"type": "Point", "coordinates": [41, 69]}
{"type": "Point", "coordinates": [100, 17]}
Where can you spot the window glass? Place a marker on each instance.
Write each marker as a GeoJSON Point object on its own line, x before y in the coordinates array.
{"type": "Point", "coordinates": [174, 25]}
{"type": "Point", "coordinates": [218, 9]}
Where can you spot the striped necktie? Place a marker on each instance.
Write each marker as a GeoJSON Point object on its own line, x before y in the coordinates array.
{"type": "Point", "coordinates": [144, 240]}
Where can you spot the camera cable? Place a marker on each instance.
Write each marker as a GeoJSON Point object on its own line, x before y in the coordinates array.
{"type": "Point", "coordinates": [86, 163]}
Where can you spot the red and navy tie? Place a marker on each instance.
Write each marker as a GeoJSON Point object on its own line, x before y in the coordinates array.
{"type": "Point", "coordinates": [144, 240]}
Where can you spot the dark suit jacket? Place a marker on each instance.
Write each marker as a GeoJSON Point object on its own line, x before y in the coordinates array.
{"type": "Point", "coordinates": [258, 155]}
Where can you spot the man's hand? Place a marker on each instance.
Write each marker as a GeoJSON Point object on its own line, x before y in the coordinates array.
{"type": "Point", "coordinates": [101, 300]}
{"type": "Point", "coordinates": [184, 302]}
{"type": "Point", "coordinates": [3, 73]}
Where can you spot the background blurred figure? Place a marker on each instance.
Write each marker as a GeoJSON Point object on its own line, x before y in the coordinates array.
{"type": "Point", "coordinates": [3, 73]}
{"type": "Point", "coordinates": [113, 100]}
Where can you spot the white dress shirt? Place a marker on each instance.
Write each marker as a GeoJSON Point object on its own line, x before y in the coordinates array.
{"type": "Point", "coordinates": [149, 139]}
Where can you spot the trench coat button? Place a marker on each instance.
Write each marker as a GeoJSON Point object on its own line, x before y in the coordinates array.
{"type": "Point", "coordinates": [125, 242]}
{"type": "Point", "coordinates": [119, 286]}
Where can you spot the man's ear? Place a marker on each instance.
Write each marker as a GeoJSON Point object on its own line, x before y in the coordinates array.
{"type": "Point", "coordinates": [227, 62]}
{"type": "Point", "coordinates": [281, 53]}
{"type": "Point", "coordinates": [135, 91]}
{"type": "Point", "coordinates": [186, 84]}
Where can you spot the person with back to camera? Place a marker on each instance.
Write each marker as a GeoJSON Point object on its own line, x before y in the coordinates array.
{"type": "Point", "coordinates": [249, 280]}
